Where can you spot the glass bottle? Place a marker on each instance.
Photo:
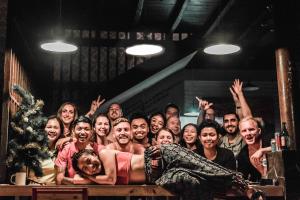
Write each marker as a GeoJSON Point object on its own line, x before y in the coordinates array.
{"type": "Point", "coordinates": [284, 137]}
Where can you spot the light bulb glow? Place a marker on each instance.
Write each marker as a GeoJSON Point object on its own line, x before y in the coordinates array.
{"type": "Point", "coordinates": [222, 49]}
{"type": "Point", "coordinates": [191, 114]}
{"type": "Point", "coordinates": [59, 46]}
{"type": "Point", "coordinates": [144, 50]}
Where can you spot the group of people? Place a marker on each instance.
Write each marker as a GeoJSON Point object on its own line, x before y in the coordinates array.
{"type": "Point", "coordinates": [111, 149]}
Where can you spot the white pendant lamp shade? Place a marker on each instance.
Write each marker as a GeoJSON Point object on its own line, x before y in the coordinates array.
{"type": "Point", "coordinates": [222, 49]}
{"type": "Point", "coordinates": [59, 47]}
{"type": "Point", "coordinates": [57, 43]}
{"type": "Point", "coordinates": [250, 87]}
{"type": "Point", "coordinates": [144, 50]}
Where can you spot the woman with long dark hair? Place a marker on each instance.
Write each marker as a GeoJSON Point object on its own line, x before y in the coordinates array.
{"type": "Point", "coordinates": [54, 131]}
{"type": "Point", "coordinates": [102, 128]}
{"type": "Point", "coordinates": [157, 121]}
{"type": "Point", "coordinates": [189, 137]}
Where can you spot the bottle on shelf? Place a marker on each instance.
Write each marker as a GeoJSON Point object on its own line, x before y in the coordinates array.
{"type": "Point", "coordinates": [284, 137]}
{"type": "Point", "coordinates": [277, 140]}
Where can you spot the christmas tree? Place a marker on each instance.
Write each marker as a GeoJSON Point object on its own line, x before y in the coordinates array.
{"type": "Point", "coordinates": [29, 142]}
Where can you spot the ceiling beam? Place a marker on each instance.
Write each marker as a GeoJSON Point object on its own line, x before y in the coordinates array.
{"type": "Point", "coordinates": [219, 18]}
{"type": "Point", "coordinates": [177, 14]}
{"type": "Point", "coordinates": [255, 23]}
{"type": "Point", "coordinates": [138, 12]}
{"type": "Point", "coordinates": [147, 83]}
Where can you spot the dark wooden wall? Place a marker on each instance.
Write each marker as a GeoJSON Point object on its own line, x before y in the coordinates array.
{"type": "Point", "coordinates": [3, 29]}
{"type": "Point", "coordinates": [101, 57]}
{"type": "Point", "coordinates": [14, 73]}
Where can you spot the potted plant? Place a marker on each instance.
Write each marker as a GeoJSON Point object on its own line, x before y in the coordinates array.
{"type": "Point", "coordinates": [28, 141]}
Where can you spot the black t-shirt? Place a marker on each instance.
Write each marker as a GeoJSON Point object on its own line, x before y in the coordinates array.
{"type": "Point", "coordinates": [224, 158]}
{"type": "Point", "coordinates": [244, 164]}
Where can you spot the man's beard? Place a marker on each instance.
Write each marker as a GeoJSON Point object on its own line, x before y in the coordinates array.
{"type": "Point", "coordinates": [232, 133]}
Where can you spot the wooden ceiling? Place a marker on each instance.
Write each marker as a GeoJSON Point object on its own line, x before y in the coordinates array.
{"type": "Point", "coordinates": [247, 23]}
{"type": "Point", "coordinates": [258, 26]}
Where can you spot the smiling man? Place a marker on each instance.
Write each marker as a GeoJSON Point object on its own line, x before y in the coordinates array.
{"type": "Point", "coordinates": [232, 139]}
{"type": "Point", "coordinates": [114, 111]}
{"type": "Point", "coordinates": [82, 130]}
{"type": "Point", "coordinates": [140, 129]}
{"type": "Point", "coordinates": [174, 124]}
{"type": "Point", "coordinates": [251, 156]}
{"type": "Point", "coordinates": [123, 136]}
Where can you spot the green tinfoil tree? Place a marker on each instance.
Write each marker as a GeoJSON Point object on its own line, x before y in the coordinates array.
{"type": "Point", "coordinates": [29, 143]}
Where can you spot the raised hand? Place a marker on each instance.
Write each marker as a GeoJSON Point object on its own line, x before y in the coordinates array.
{"type": "Point", "coordinates": [95, 105]}
{"type": "Point", "coordinates": [203, 104]}
{"type": "Point", "coordinates": [237, 87]}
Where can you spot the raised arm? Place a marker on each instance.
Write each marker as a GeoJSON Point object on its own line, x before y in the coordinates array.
{"type": "Point", "coordinates": [237, 89]}
{"type": "Point", "coordinates": [94, 106]}
{"type": "Point", "coordinates": [237, 103]}
{"type": "Point", "coordinates": [203, 105]}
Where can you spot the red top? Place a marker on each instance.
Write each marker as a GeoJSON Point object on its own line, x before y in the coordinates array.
{"type": "Point", "coordinates": [64, 157]}
{"type": "Point", "coordinates": [123, 160]}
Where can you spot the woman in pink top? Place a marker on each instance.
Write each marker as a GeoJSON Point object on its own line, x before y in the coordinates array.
{"type": "Point", "coordinates": [83, 132]}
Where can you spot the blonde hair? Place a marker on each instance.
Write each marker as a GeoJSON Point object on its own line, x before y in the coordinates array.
{"type": "Point", "coordinates": [62, 107]}
{"type": "Point", "coordinates": [119, 120]}
{"type": "Point", "coordinates": [250, 119]}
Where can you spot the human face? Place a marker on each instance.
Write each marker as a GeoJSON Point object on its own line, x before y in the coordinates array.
{"type": "Point", "coordinates": [190, 134]}
{"type": "Point", "coordinates": [139, 128]}
{"type": "Point", "coordinates": [122, 133]}
{"type": "Point", "coordinates": [115, 112]}
{"type": "Point", "coordinates": [173, 123]}
{"type": "Point", "coordinates": [89, 164]}
{"type": "Point", "coordinates": [210, 114]}
{"type": "Point", "coordinates": [230, 123]}
{"type": "Point", "coordinates": [164, 137]}
{"type": "Point", "coordinates": [156, 123]}
{"type": "Point", "coordinates": [83, 132]}
{"type": "Point", "coordinates": [68, 114]}
{"type": "Point", "coordinates": [171, 112]}
{"type": "Point", "coordinates": [209, 137]}
{"type": "Point", "coordinates": [102, 126]}
{"type": "Point", "coordinates": [249, 131]}
{"type": "Point", "coordinates": [53, 130]}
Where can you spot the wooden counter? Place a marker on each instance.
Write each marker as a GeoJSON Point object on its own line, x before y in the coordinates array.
{"type": "Point", "coordinates": [122, 190]}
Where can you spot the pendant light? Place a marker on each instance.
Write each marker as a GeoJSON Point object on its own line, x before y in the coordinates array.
{"type": "Point", "coordinates": [145, 50]}
{"type": "Point", "coordinates": [222, 49]}
{"type": "Point", "coordinates": [249, 87]}
{"type": "Point", "coordinates": [59, 44]}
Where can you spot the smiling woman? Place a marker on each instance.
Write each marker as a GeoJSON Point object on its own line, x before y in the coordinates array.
{"type": "Point", "coordinates": [67, 112]}
{"type": "Point", "coordinates": [53, 129]}
{"type": "Point", "coordinates": [102, 127]}
{"type": "Point", "coordinates": [189, 137]}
